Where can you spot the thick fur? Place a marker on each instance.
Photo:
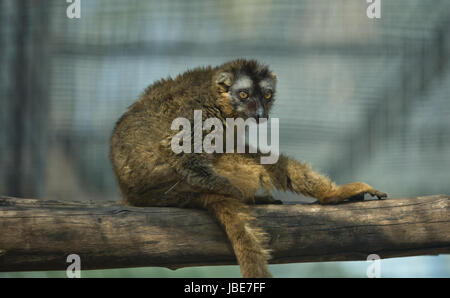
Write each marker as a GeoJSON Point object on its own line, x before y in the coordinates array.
{"type": "Point", "coordinates": [149, 173]}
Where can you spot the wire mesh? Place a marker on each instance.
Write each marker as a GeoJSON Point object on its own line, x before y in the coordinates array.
{"type": "Point", "coordinates": [359, 99]}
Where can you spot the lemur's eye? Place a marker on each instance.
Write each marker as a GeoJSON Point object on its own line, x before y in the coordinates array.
{"type": "Point", "coordinates": [268, 94]}
{"type": "Point", "coordinates": [243, 94]}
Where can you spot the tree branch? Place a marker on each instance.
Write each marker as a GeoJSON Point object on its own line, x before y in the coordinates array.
{"type": "Point", "coordinates": [39, 235]}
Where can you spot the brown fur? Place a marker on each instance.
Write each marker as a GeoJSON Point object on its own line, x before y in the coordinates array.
{"type": "Point", "coordinates": [149, 173]}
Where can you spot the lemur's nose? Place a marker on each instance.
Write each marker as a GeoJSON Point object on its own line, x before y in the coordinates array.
{"type": "Point", "coordinates": [261, 115]}
{"type": "Point", "coordinates": [260, 111]}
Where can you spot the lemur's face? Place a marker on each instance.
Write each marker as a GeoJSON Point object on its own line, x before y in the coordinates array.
{"type": "Point", "coordinates": [251, 93]}
{"type": "Point", "coordinates": [252, 97]}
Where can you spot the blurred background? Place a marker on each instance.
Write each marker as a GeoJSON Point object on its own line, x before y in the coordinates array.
{"type": "Point", "coordinates": [360, 99]}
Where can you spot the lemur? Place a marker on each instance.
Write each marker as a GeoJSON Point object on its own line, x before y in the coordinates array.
{"type": "Point", "coordinates": [149, 173]}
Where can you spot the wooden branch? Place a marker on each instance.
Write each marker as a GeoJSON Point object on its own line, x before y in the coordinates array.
{"type": "Point", "coordinates": [39, 235]}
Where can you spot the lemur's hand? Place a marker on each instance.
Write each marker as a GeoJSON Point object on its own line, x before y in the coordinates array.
{"type": "Point", "coordinates": [352, 191]}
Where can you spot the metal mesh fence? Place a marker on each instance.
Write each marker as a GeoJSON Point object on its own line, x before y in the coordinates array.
{"type": "Point", "coordinates": [360, 99]}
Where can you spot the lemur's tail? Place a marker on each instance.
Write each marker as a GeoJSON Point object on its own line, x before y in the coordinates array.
{"type": "Point", "coordinates": [247, 241]}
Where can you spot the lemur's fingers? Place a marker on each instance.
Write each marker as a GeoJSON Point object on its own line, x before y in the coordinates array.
{"type": "Point", "coordinates": [352, 191]}
{"type": "Point", "coordinates": [380, 195]}
{"type": "Point", "coordinates": [359, 189]}
{"type": "Point", "coordinates": [374, 193]}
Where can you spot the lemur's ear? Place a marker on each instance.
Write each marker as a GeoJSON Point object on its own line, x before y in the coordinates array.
{"type": "Point", "coordinates": [225, 78]}
{"type": "Point", "coordinates": [273, 75]}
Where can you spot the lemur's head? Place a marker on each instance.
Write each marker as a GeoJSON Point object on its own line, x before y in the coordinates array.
{"type": "Point", "coordinates": [248, 88]}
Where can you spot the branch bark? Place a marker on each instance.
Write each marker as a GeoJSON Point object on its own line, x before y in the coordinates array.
{"type": "Point", "coordinates": [39, 235]}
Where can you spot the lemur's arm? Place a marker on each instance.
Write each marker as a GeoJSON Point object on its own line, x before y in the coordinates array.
{"type": "Point", "coordinates": [290, 174]}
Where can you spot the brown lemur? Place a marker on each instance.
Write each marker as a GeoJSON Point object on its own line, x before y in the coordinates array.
{"type": "Point", "coordinates": [150, 173]}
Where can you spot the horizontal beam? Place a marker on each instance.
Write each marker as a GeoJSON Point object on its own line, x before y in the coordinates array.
{"type": "Point", "coordinates": [39, 235]}
{"type": "Point", "coordinates": [400, 48]}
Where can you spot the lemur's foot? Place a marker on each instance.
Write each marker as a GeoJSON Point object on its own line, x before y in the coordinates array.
{"type": "Point", "coordinates": [353, 192]}
{"type": "Point", "coordinates": [360, 197]}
